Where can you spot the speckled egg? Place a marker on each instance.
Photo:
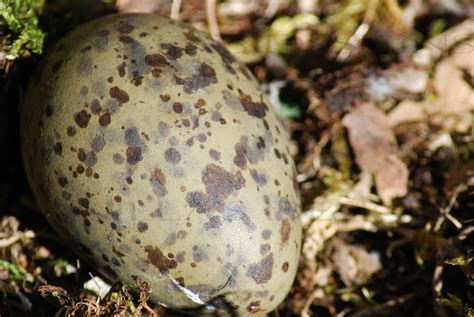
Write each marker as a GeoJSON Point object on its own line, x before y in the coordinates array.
{"type": "Point", "coordinates": [154, 152]}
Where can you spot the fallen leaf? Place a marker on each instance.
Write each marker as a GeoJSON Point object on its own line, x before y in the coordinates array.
{"type": "Point", "coordinates": [353, 263]}
{"type": "Point", "coordinates": [375, 149]}
{"type": "Point", "coordinates": [407, 111]}
{"type": "Point", "coordinates": [454, 107]}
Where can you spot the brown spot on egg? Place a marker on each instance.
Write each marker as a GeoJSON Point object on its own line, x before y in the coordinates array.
{"type": "Point", "coordinates": [226, 57]}
{"type": "Point", "coordinates": [247, 152]}
{"type": "Point", "coordinates": [80, 169]}
{"type": "Point", "coordinates": [172, 51]}
{"type": "Point", "coordinates": [180, 281]}
{"type": "Point", "coordinates": [158, 180]}
{"type": "Point", "coordinates": [177, 107]}
{"type": "Point", "coordinates": [172, 156]}
{"type": "Point", "coordinates": [239, 160]}
{"type": "Point", "coordinates": [213, 223]}
{"type": "Point", "coordinates": [81, 155]}
{"type": "Point", "coordinates": [260, 143]}
{"type": "Point", "coordinates": [82, 118]}
{"type": "Point", "coordinates": [84, 202]}
{"type": "Point", "coordinates": [285, 230]}
{"type": "Point", "coordinates": [219, 185]}
{"type": "Point", "coordinates": [49, 110]}
{"type": "Point", "coordinates": [118, 158]}
{"type": "Point", "coordinates": [180, 256]}
{"type": "Point", "coordinates": [259, 178]}
{"type": "Point", "coordinates": [71, 131]}
{"type": "Point", "coordinates": [190, 34]}
{"type": "Point", "coordinates": [125, 39]}
{"type": "Point", "coordinates": [277, 153]}
{"type": "Point", "coordinates": [62, 181]}
{"type": "Point", "coordinates": [119, 94]}
{"type": "Point", "coordinates": [285, 266]}
{"type": "Point", "coordinates": [215, 155]}
{"type": "Point", "coordinates": [58, 148]}
{"type": "Point", "coordinates": [199, 254]}
{"type": "Point", "coordinates": [266, 234]}
{"type": "Point", "coordinates": [255, 109]}
{"type": "Point", "coordinates": [165, 98]}
{"type": "Point", "coordinates": [261, 272]}
{"type": "Point", "coordinates": [124, 27]}
{"type": "Point", "coordinates": [142, 226]}
{"type": "Point", "coordinates": [186, 123]}
{"type": "Point", "coordinates": [159, 260]}
{"type": "Point", "coordinates": [199, 103]}
{"type": "Point", "coordinates": [121, 69]}
{"type": "Point", "coordinates": [156, 60]}
{"type": "Point", "coordinates": [134, 155]}
{"type": "Point", "coordinates": [265, 248]}
{"type": "Point", "coordinates": [157, 213]}
{"type": "Point", "coordinates": [104, 119]}
{"type": "Point", "coordinates": [85, 49]}
{"type": "Point", "coordinates": [95, 106]}
{"type": "Point", "coordinates": [190, 49]}
{"type": "Point", "coordinates": [204, 76]}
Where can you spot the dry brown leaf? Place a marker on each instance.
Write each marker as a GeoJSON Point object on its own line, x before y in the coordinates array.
{"type": "Point", "coordinates": [353, 263]}
{"type": "Point", "coordinates": [454, 107]}
{"type": "Point", "coordinates": [375, 150]}
{"type": "Point", "coordinates": [407, 111]}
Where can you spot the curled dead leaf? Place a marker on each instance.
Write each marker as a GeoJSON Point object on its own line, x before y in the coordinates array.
{"type": "Point", "coordinates": [375, 149]}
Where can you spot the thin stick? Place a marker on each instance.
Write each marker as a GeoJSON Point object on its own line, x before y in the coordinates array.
{"type": "Point", "coordinates": [212, 19]}
{"type": "Point", "coordinates": [175, 7]}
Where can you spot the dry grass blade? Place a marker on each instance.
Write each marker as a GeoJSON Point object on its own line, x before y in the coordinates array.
{"type": "Point", "coordinates": [58, 293]}
{"type": "Point", "coordinates": [144, 295]}
{"type": "Point", "coordinates": [211, 15]}
{"type": "Point", "coordinates": [175, 7]}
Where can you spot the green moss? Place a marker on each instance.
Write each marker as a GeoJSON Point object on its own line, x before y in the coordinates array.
{"type": "Point", "coordinates": [19, 28]}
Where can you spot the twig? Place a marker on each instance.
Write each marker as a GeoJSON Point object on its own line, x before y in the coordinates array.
{"type": "Point", "coordinates": [212, 19]}
{"type": "Point", "coordinates": [445, 212]}
{"type": "Point", "coordinates": [360, 33]}
{"type": "Point", "coordinates": [175, 7]}
{"type": "Point", "coordinates": [311, 215]}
